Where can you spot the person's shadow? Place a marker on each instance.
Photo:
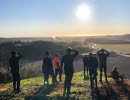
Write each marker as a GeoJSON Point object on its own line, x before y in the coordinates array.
{"type": "Point", "coordinates": [97, 92]}
{"type": "Point", "coordinates": [41, 94]}
{"type": "Point", "coordinates": [44, 94]}
{"type": "Point", "coordinates": [96, 95]}
{"type": "Point", "coordinates": [111, 93]}
{"type": "Point", "coordinates": [124, 87]}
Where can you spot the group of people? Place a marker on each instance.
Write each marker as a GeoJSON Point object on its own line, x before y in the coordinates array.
{"type": "Point", "coordinates": [91, 63]}
{"type": "Point", "coordinates": [55, 67]}
{"type": "Point", "coordinates": [67, 61]}
{"type": "Point", "coordinates": [47, 68]}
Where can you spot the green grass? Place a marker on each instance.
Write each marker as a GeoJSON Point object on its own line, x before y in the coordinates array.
{"type": "Point", "coordinates": [34, 89]}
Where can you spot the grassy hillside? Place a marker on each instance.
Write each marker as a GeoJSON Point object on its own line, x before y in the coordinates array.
{"type": "Point", "coordinates": [34, 69]}
{"type": "Point", "coordinates": [33, 89]}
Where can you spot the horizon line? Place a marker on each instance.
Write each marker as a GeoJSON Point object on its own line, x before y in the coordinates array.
{"type": "Point", "coordinates": [65, 36]}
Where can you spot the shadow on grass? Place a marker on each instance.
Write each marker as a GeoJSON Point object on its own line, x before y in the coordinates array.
{"type": "Point", "coordinates": [54, 98]}
{"type": "Point", "coordinates": [7, 95]}
{"type": "Point", "coordinates": [116, 94]}
{"type": "Point", "coordinates": [43, 94]}
{"type": "Point", "coordinates": [110, 93]}
{"type": "Point", "coordinates": [124, 88]}
{"type": "Point", "coordinates": [96, 95]}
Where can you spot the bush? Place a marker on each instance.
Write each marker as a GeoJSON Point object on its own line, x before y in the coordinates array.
{"type": "Point", "coordinates": [5, 77]}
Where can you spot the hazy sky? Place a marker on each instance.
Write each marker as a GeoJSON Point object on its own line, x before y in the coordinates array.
{"type": "Point", "coordinates": [36, 18]}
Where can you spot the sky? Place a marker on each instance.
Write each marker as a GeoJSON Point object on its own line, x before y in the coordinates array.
{"type": "Point", "coordinates": [43, 18]}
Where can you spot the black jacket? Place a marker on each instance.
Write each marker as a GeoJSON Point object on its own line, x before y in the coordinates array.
{"type": "Point", "coordinates": [47, 64]}
{"type": "Point", "coordinates": [14, 64]}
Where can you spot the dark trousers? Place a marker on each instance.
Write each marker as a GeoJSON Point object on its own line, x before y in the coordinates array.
{"type": "Point", "coordinates": [16, 81]}
{"type": "Point", "coordinates": [56, 73]}
{"type": "Point", "coordinates": [68, 78]}
{"type": "Point", "coordinates": [103, 67]}
{"type": "Point", "coordinates": [46, 76]}
{"type": "Point", "coordinates": [117, 77]}
{"type": "Point", "coordinates": [93, 77]}
{"type": "Point", "coordinates": [85, 67]}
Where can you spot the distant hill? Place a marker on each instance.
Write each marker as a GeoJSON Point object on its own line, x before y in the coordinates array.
{"type": "Point", "coordinates": [126, 37]}
{"type": "Point", "coordinates": [27, 39]}
{"type": "Point", "coordinates": [115, 38]}
{"type": "Point", "coordinates": [106, 41]}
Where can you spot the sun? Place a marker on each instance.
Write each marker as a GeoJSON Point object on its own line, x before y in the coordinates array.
{"type": "Point", "coordinates": [83, 12]}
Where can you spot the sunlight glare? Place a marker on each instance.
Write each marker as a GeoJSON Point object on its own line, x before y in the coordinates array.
{"type": "Point", "coordinates": [83, 12]}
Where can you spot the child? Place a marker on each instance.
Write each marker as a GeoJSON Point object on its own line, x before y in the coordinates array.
{"type": "Point", "coordinates": [56, 61]}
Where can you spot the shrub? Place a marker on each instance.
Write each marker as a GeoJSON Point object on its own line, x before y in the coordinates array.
{"type": "Point", "coordinates": [5, 77]}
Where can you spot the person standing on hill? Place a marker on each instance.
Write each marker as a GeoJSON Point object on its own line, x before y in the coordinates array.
{"type": "Point", "coordinates": [14, 65]}
{"type": "Point", "coordinates": [92, 69]}
{"type": "Point", "coordinates": [95, 64]}
{"type": "Point", "coordinates": [68, 60]}
{"type": "Point", "coordinates": [85, 61]}
{"type": "Point", "coordinates": [102, 55]}
{"type": "Point", "coordinates": [47, 68]}
{"type": "Point", "coordinates": [56, 62]}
